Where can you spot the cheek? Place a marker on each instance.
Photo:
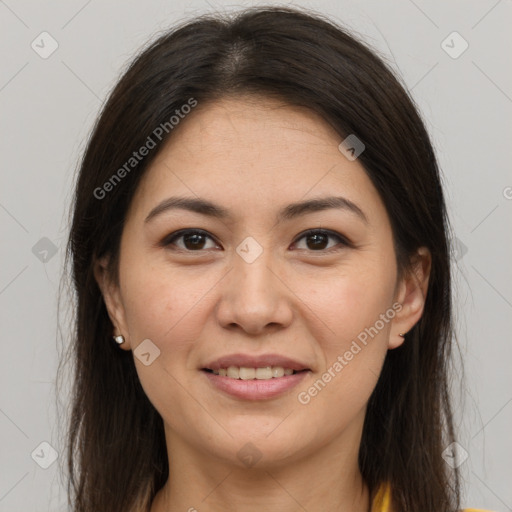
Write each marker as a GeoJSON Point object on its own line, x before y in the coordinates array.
{"type": "Point", "coordinates": [348, 301]}
{"type": "Point", "coordinates": [353, 313]}
{"type": "Point", "coordinates": [164, 305]}
{"type": "Point", "coordinates": [169, 308]}
{"type": "Point", "coordinates": [352, 347]}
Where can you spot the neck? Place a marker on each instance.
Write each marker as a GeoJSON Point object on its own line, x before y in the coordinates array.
{"type": "Point", "coordinates": [328, 480]}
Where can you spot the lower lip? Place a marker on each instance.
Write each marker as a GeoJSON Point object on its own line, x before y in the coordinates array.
{"type": "Point", "coordinates": [255, 389]}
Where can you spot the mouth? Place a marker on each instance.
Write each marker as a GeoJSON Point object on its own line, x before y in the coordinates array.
{"type": "Point", "coordinates": [254, 377]}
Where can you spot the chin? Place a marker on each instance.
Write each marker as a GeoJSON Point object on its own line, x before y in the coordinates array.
{"type": "Point", "coordinates": [260, 448]}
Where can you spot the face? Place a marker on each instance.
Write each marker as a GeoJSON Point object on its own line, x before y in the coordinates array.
{"type": "Point", "coordinates": [266, 285]}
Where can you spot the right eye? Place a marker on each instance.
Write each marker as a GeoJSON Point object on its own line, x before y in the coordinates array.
{"type": "Point", "coordinates": [193, 239]}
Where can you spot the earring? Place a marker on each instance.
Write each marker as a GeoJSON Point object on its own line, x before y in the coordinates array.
{"type": "Point", "coordinates": [119, 339]}
{"type": "Point", "coordinates": [401, 335]}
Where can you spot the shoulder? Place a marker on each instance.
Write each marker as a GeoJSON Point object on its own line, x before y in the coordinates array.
{"type": "Point", "coordinates": [381, 501]}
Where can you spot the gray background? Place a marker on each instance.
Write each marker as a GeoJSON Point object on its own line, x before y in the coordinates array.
{"type": "Point", "coordinates": [47, 110]}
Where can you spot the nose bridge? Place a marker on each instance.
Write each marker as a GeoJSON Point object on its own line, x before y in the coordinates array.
{"type": "Point", "coordinates": [252, 272]}
{"type": "Point", "coordinates": [255, 296]}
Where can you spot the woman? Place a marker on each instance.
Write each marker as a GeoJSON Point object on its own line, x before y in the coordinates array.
{"type": "Point", "coordinates": [259, 224]}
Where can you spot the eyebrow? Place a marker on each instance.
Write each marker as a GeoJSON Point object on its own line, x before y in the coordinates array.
{"type": "Point", "coordinates": [291, 211]}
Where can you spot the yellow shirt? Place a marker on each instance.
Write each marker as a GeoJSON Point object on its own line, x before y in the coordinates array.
{"type": "Point", "coordinates": [382, 501]}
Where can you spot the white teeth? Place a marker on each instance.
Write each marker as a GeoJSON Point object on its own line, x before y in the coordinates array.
{"type": "Point", "coordinates": [277, 371]}
{"type": "Point", "coordinates": [264, 373]}
{"type": "Point", "coordinates": [245, 373]}
{"type": "Point", "coordinates": [234, 372]}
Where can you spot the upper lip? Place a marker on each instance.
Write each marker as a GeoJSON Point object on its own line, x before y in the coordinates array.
{"type": "Point", "coordinates": [260, 361]}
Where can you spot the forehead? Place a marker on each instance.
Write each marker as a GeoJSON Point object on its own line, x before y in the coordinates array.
{"type": "Point", "coordinates": [254, 152]}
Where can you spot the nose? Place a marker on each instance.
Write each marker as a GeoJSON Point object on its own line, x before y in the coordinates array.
{"type": "Point", "coordinates": [255, 297]}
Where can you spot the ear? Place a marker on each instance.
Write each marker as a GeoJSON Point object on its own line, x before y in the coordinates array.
{"type": "Point", "coordinates": [411, 294]}
{"type": "Point", "coordinates": [112, 297]}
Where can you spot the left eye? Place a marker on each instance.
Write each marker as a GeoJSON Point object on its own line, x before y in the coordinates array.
{"type": "Point", "coordinates": [320, 237]}
{"type": "Point", "coordinates": [194, 239]}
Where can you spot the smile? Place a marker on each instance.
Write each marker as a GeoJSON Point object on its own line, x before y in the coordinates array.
{"type": "Point", "coordinates": [244, 384]}
{"type": "Point", "coordinates": [246, 373]}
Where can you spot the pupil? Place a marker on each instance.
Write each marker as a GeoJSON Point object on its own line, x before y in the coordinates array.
{"type": "Point", "coordinates": [319, 240]}
{"type": "Point", "coordinates": [194, 244]}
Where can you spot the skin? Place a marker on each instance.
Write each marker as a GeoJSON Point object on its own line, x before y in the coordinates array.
{"type": "Point", "coordinates": [254, 156]}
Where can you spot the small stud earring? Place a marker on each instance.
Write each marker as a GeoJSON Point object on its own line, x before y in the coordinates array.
{"type": "Point", "coordinates": [119, 339]}
{"type": "Point", "coordinates": [401, 335]}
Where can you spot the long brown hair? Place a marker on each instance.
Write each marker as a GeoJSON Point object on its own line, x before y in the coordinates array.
{"type": "Point", "coordinates": [117, 459]}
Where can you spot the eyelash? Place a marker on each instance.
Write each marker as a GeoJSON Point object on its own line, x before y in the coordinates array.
{"type": "Point", "coordinates": [170, 239]}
